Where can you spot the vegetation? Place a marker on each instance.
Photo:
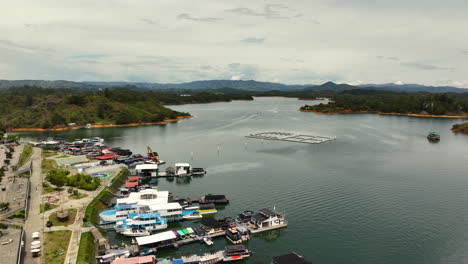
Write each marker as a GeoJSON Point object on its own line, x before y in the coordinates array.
{"type": "Point", "coordinates": [47, 165]}
{"type": "Point", "coordinates": [87, 250]}
{"type": "Point", "coordinates": [77, 195]}
{"type": "Point", "coordinates": [20, 215]}
{"type": "Point", "coordinates": [70, 220]}
{"type": "Point", "coordinates": [59, 178]}
{"type": "Point", "coordinates": [27, 152]}
{"type": "Point", "coordinates": [56, 246]}
{"type": "Point", "coordinates": [4, 206]}
{"type": "Point", "coordinates": [463, 127]}
{"type": "Point", "coordinates": [47, 206]}
{"type": "Point", "coordinates": [35, 107]}
{"type": "Point", "coordinates": [391, 102]}
{"type": "Point", "coordinates": [46, 154]}
{"type": "Point", "coordinates": [47, 188]}
{"type": "Point", "coordinates": [97, 205]}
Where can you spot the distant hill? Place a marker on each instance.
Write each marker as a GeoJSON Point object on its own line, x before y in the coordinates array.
{"type": "Point", "coordinates": [228, 85]}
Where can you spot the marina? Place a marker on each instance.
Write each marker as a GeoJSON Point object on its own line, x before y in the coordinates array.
{"type": "Point", "coordinates": [320, 187]}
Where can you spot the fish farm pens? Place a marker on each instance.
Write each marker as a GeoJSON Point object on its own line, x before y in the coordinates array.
{"type": "Point", "coordinates": [291, 137]}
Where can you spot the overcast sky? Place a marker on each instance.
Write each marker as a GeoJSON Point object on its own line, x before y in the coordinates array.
{"type": "Point", "coordinates": [289, 41]}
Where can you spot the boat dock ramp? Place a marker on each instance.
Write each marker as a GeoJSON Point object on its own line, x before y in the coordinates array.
{"type": "Point", "coordinates": [291, 137]}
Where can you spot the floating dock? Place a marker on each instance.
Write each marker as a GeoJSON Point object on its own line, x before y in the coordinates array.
{"type": "Point", "coordinates": [291, 137]}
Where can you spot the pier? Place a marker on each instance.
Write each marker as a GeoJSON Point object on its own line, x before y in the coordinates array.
{"type": "Point", "coordinates": [291, 137]}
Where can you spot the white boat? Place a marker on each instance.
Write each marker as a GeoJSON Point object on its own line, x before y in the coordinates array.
{"type": "Point", "coordinates": [135, 203]}
{"type": "Point", "coordinates": [97, 140]}
{"type": "Point", "coordinates": [266, 219]}
{"type": "Point", "coordinates": [191, 215]}
{"type": "Point", "coordinates": [35, 235]}
{"type": "Point", "coordinates": [208, 241]}
{"type": "Point", "coordinates": [183, 169]}
{"type": "Point", "coordinates": [141, 225]}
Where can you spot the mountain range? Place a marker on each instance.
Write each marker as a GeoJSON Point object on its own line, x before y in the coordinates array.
{"type": "Point", "coordinates": [249, 85]}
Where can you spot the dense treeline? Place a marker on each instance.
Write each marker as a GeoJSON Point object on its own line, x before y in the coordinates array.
{"type": "Point", "coordinates": [35, 107]}
{"type": "Point", "coordinates": [392, 102]}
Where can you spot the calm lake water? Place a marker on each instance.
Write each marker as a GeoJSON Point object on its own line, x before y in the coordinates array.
{"type": "Point", "coordinates": [380, 193]}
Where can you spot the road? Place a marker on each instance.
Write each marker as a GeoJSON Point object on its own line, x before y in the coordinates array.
{"type": "Point", "coordinates": [35, 222]}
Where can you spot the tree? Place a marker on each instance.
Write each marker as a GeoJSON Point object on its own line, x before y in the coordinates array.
{"type": "Point", "coordinates": [58, 177]}
{"type": "Point", "coordinates": [76, 100]}
{"type": "Point", "coordinates": [57, 119]}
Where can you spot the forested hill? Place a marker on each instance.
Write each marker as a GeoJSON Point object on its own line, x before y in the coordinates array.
{"type": "Point", "coordinates": [388, 102]}
{"type": "Point", "coordinates": [34, 107]}
{"type": "Point", "coordinates": [208, 85]}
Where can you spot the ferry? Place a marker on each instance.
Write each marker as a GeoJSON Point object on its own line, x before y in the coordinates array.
{"type": "Point", "coordinates": [136, 202]}
{"type": "Point", "coordinates": [141, 225]}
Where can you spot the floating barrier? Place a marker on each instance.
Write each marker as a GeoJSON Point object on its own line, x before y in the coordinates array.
{"type": "Point", "coordinates": [291, 137]}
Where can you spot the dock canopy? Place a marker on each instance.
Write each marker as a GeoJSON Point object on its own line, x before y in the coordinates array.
{"type": "Point", "coordinates": [133, 179]}
{"type": "Point", "coordinates": [108, 156]}
{"type": "Point", "coordinates": [131, 184]}
{"type": "Point", "coordinates": [141, 167]}
{"type": "Point", "coordinates": [156, 238]}
{"type": "Point", "coordinates": [182, 165]}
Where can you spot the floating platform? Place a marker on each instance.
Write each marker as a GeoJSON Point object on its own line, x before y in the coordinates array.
{"type": "Point", "coordinates": [291, 137]}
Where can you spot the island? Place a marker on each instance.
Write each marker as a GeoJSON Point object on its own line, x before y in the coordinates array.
{"type": "Point", "coordinates": [463, 128]}
{"type": "Point", "coordinates": [392, 103]}
{"type": "Point", "coordinates": [37, 109]}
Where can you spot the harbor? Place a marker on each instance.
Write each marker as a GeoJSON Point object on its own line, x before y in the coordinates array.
{"type": "Point", "coordinates": [319, 187]}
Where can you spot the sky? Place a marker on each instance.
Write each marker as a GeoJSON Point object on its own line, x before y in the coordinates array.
{"type": "Point", "coordinates": [288, 41]}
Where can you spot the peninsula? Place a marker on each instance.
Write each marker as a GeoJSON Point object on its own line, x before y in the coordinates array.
{"type": "Point", "coordinates": [389, 103]}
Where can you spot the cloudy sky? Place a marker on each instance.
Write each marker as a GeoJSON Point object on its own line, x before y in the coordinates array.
{"type": "Point", "coordinates": [289, 41]}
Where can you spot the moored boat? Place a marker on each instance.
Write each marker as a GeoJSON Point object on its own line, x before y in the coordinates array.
{"type": "Point", "coordinates": [433, 136]}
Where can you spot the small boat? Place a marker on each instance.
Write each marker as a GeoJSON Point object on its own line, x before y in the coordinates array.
{"type": "Point", "coordinates": [208, 241]}
{"type": "Point", "coordinates": [433, 136]}
{"type": "Point", "coordinates": [198, 171]}
{"type": "Point", "coordinates": [191, 214]}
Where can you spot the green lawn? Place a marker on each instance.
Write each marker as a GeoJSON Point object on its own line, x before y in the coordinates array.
{"type": "Point", "coordinates": [47, 165]}
{"type": "Point", "coordinates": [47, 206]}
{"type": "Point", "coordinates": [87, 251]}
{"type": "Point", "coordinates": [27, 151]}
{"type": "Point", "coordinates": [48, 154]}
{"type": "Point", "coordinates": [78, 196]}
{"type": "Point", "coordinates": [56, 246]}
{"type": "Point", "coordinates": [71, 218]}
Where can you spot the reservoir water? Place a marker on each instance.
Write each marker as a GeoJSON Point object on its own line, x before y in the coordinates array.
{"type": "Point", "coordinates": [380, 193]}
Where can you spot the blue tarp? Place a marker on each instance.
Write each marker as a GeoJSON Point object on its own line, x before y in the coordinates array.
{"type": "Point", "coordinates": [177, 261]}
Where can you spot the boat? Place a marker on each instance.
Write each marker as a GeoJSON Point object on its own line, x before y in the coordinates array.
{"type": "Point", "coordinates": [183, 169]}
{"type": "Point", "coordinates": [191, 215]}
{"type": "Point", "coordinates": [206, 209]}
{"type": "Point", "coordinates": [236, 252]}
{"type": "Point", "coordinates": [265, 220]}
{"type": "Point", "coordinates": [216, 199]}
{"type": "Point", "coordinates": [136, 202]}
{"type": "Point", "coordinates": [237, 234]}
{"type": "Point", "coordinates": [433, 136]}
{"type": "Point", "coordinates": [198, 171]}
{"type": "Point", "coordinates": [208, 241]}
{"type": "Point", "coordinates": [141, 225]}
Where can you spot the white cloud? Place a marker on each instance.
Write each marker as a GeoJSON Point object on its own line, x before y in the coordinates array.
{"type": "Point", "coordinates": [297, 41]}
{"type": "Point", "coordinates": [236, 77]}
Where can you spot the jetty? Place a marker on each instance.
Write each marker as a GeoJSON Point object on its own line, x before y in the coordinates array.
{"type": "Point", "coordinates": [292, 137]}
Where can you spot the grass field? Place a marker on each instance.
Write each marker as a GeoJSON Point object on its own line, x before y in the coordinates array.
{"type": "Point", "coordinates": [87, 250]}
{"type": "Point", "coordinates": [71, 218]}
{"type": "Point", "coordinates": [56, 246]}
{"type": "Point", "coordinates": [27, 152]}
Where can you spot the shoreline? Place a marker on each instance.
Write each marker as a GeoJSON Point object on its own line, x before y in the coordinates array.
{"type": "Point", "coordinates": [177, 119]}
{"type": "Point", "coordinates": [457, 130]}
{"type": "Point", "coordinates": [210, 102]}
{"type": "Point", "coordinates": [383, 113]}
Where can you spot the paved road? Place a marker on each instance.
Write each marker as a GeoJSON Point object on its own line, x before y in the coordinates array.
{"type": "Point", "coordinates": [35, 222]}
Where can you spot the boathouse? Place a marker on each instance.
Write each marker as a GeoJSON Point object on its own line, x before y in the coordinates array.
{"type": "Point", "coordinates": [147, 170]}
{"type": "Point", "coordinates": [211, 225]}
{"type": "Point", "coordinates": [160, 239]}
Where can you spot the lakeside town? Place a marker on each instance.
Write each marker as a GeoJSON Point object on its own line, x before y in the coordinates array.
{"type": "Point", "coordinates": [60, 198]}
